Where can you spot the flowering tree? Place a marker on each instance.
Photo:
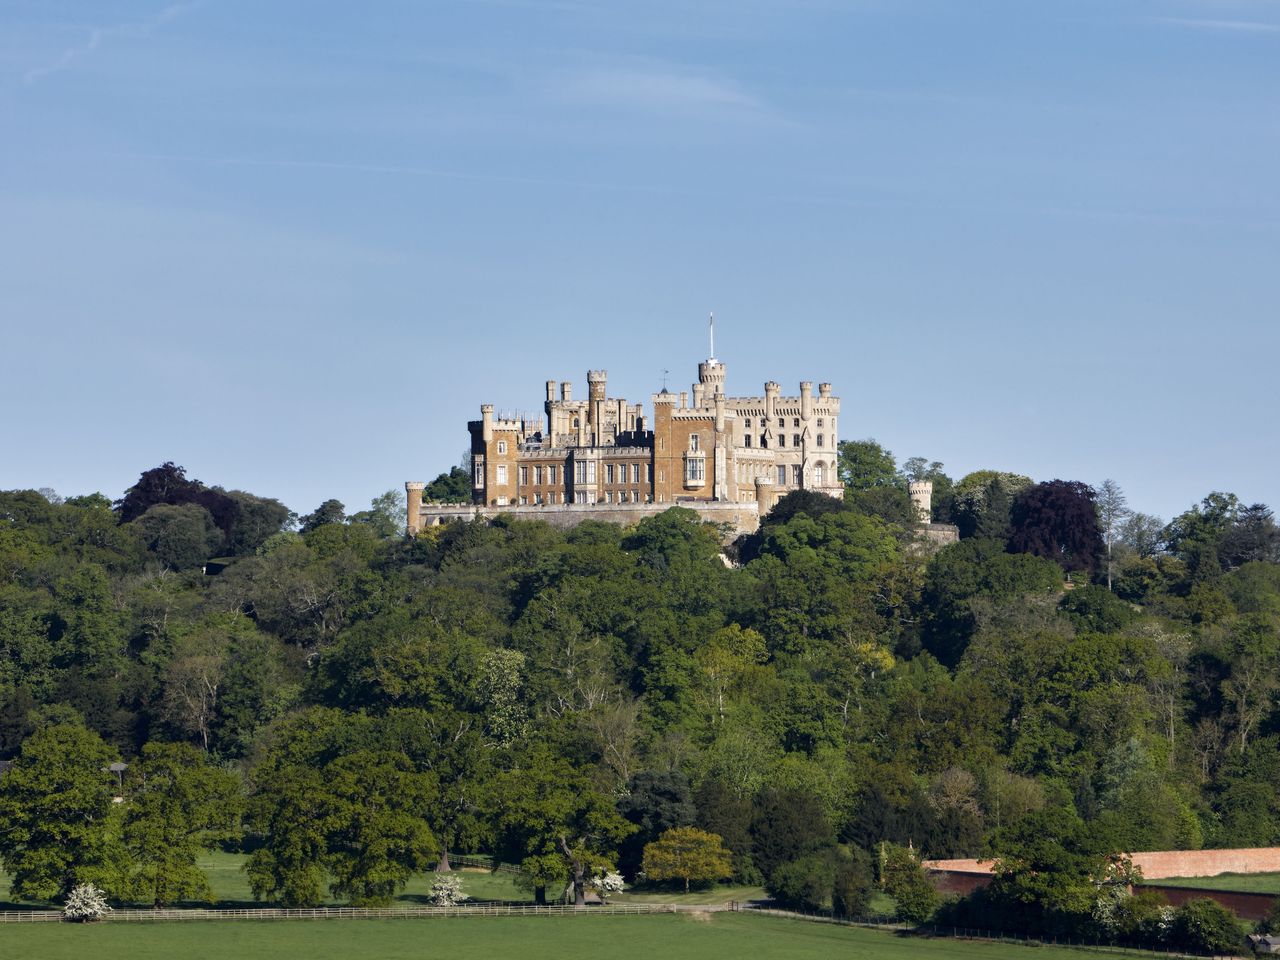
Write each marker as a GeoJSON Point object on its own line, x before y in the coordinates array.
{"type": "Point", "coordinates": [85, 904]}
{"type": "Point", "coordinates": [606, 884]}
{"type": "Point", "coordinates": [447, 891]}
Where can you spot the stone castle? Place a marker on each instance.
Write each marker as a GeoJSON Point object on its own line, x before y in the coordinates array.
{"type": "Point", "coordinates": [728, 458]}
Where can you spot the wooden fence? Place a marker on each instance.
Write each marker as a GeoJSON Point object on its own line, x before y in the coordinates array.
{"type": "Point", "coordinates": [353, 913]}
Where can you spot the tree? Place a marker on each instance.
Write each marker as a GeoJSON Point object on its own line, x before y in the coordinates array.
{"type": "Point", "coordinates": [553, 820]}
{"type": "Point", "coordinates": [655, 802]}
{"type": "Point", "coordinates": [1206, 926]}
{"type": "Point", "coordinates": [386, 514]}
{"type": "Point", "coordinates": [1112, 512]}
{"type": "Point", "coordinates": [787, 824]}
{"type": "Point", "coordinates": [451, 487]}
{"type": "Point", "coordinates": [58, 824]}
{"type": "Point", "coordinates": [835, 878]}
{"type": "Point", "coordinates": [178, 806]}
{"type": "Point", "coordinates": [983, 500]}
{"type": "Point", "coordinates": [181, 537]}
{"type": "Point", "coordinates": [377, 838]}
{"type": "Point", "coordinates": [864, 464]}
{"type": "Point", "coordinates": [1057, 520]}
{"type": "Point", "coordinates": [331, 511]}
{"type": "Point", "coordinates": [688, 854]}
{"type": "Point", "coordinates": [903, 878]}
{"type": "Point", "coordinates": [287, 811]}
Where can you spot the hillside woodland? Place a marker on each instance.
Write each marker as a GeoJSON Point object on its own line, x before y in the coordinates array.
{"type": "Point", "coordinates": [830, 697]}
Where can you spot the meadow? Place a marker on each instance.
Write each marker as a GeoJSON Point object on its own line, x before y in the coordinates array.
{"type": "Point", "coordinates": [706, 936]}
{"type": "Point", "coordinates": [1239, 882]}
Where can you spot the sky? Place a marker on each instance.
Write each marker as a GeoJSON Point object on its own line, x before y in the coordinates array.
{"type": "Point", "coordinates": [293, 246]}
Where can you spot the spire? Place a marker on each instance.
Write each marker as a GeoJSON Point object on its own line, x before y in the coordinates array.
{"type": "Point", "coordinates": [711, 330]}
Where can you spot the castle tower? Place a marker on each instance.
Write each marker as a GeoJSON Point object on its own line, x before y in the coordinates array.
{"type": "Point", "coordinates": [921, 493]}
{"type": "Point", "coordinates": [413, 506]}
{"type": "Point", "coordinates": [596, 386]}
{"type": "Point", "coordinates": [710, 380]}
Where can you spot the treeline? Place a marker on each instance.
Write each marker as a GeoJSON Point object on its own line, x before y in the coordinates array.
{"type": "Point", "coordinates": [361, 704]}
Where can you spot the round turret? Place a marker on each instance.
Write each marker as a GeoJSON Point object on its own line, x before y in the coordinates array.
{"type": "Point", "coordinates": [921, 493]}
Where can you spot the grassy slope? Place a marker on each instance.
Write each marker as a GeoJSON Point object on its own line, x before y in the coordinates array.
{"type": "Point", "coordinates": [1240, 882]}
{"type": "Point", "coordinates": [714, 936]}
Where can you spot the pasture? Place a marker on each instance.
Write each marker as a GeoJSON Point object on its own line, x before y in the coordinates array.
{"type": "Point", "coordinates": [709, 936]}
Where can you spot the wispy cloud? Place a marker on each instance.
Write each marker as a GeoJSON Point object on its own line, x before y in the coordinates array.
{"type": "Point", "coordinates": [657, 88]}
{"type": "Point", "coordinates": [96, 35]}
{"type": "Point", "coordinates": [1221, 26]}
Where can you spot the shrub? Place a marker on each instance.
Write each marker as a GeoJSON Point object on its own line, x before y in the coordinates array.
{"type": "Point", "coordinates": [835, 878]}
{"type": "Point", "coordinates": [1206, 926]}
{"type": "Point", "coordinates": [85, 904]}
{"type": "Point", "coordinates": [904, 879]}
{"type": "Point", "coordinates": [447, 891]}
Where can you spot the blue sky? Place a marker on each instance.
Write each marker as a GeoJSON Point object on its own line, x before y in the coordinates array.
{"type": "Point", "coordinates": [294, 245]}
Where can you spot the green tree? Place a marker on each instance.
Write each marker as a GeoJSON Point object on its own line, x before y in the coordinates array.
{"type": "Point", "coordinates": [864, 464]}
{"type": "Point", "coordinates": [903, 878]}
{"type": "Point", "coordinates": [547, 809]}
{"type": "Point", "coordinates": [287, 811]}
{"type": "Point", "coordinates": [687, 854]}
{"type": "Point", "coordinates": [451, 487]}
{"type": "Point", "coordinates": [58, 822]}
{"type": "Point", "coordinates": [1206, 926]}
{"type": "Point", "coordinates": [181, 537]}
{"type": "Point", "coordinates": [178, 806]}
{"type": "Point", "coordinates": [374, 806]}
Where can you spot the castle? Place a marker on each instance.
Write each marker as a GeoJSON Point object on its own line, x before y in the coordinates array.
{"type": "Point", "coordinates": [728, 458]}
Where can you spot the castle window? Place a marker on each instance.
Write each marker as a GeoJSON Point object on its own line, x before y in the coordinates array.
{"type": "Point", "coordinates": [551, 474]}
{"type": "Point", "coordinates": [537, 475]}
{"type": "Point", "coordinates": [782, 474]}
{"type": "Point", "coordinates": [795, 440]}
{"type": "Point", "coordinates": [608, 473]}
{"type": "Point", "coordinates": [608, 496]}
{"type": "Point", "coordinates": [819, 423]}
{"type": "Point", "coordinates": [575, 423]}
{"type": "Point", "coordinates": [635, 473]}
{"type": "Point", "coordinates": [747, 439]}
{"type": "Point", "coordinates": [764, 441]}
{"type": "Point", "coordinates": [819, 435]}
{"type": "Point", "coordinates": [695, 471]}
{"type": "Point", "coordinates": [502, 446]}
{"type": "Point", "coordinates": [580, 497]}
{"type": "Point", "coordinates": [782, 421]}
{"type": "Point", "coordinates": [819, 476]}
{"type": "Point", "coordinates": [797, 474]}
{"type": "Point", "coordinates": [782, 439]}
{"type": "Point", "coordinates": [524, 501]}
{"type": "Point", "coordinates": [524, 476]}
{"type": "Point", "coordinates": [635, 496]}
{"type": "Point", "coordinates": [795, 421]}
{"type": "Point", "coordinates": [746, 422]}
{"type": "Point", "coordinates": [502, 473]}
{"type": "Point", "coordinates": [693, 442]}
{"type": "Point", "coordinates": [477, 470]}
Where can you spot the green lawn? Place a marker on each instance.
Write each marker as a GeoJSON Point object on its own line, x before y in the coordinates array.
{"type": "Point", "coordinates": [231, 888]}
{"type": "Point", "coordinates": [1240, 882]}
{"type": "Point", "coordinates": [699, 937]}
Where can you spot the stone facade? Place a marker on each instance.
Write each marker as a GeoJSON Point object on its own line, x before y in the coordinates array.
{"type": "Point", "coordinates": [602, 452]}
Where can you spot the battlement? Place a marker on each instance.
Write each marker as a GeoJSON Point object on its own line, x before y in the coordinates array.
{"type": "Point", "coordinates": [597, 376]}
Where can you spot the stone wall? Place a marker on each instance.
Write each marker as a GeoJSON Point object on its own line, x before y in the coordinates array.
{"type": "Point", "coordinates": [1159, 864]}
{"type": "Point", "coordinates": [739, 517]}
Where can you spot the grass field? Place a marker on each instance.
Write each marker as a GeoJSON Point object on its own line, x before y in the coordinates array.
{"type": "Point", "coordinates": [231, 888]}
{"type": "Point", "coordinates": [720, 936]}
{"type": "Point", "coordinates": [1240, 882]}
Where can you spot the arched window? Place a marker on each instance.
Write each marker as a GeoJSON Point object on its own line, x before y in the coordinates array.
{"type": "Point", "coordinates": [819, 475]}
